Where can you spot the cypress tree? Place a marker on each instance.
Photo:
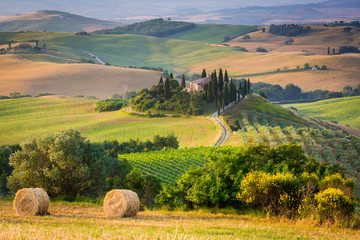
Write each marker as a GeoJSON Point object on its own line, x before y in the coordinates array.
{"type": "Point", "coordinates": [215, 84]}
{"type": "Point", "coordinates": [328, 50]}
{"type": "Point", "coordinates": [171, 76]}
{"type": "Point", "coordinates": [161, 80]}
{"type": "Point", "coordinates": [218, 105]}
{"type": "Point", "coordinates": [239, 90]}
{"type": "Point", "coordinates": [248, 85]}
{"type": "Point", "coordinates": [209, 95]}
{"type": "Point", "coordinates": [232, 91]}
{"type": "Point", "coordinates": [245, 88]}
{"type": "Point", "coordinates": [203, 74]}
{"type": "Point", "coordinates": [167, 93]}
{"type": "Point", "coordinates": [221, 80]}
{"type": "Point", "coordinates": [183, 84]}
{"type": "Point", "coordinates": [226, 78]}
{"type": "Point", "coordinates": [226, 95]}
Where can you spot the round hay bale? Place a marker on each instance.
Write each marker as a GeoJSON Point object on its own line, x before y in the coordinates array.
{"type": "Point", "coordinates": [31, 201]}
{"type": "Point", "coordinates": [121, 203]}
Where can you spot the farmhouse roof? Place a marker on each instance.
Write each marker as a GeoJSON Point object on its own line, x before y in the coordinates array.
{"type": "Point", "coordinates": [202, 81]}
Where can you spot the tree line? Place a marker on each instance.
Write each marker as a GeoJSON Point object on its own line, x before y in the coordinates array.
{"type": "Point", "coordinates": [155, 27]}
{"type": "Point", "coordinates": [223, 91]}
{"type": "Point", "coordinates": [291, 92]}
{"type": "Point", "coordinates": [289, 30]}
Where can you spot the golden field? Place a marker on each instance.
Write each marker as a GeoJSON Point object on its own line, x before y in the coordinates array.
{"type": "Point", "coordinates": [30, 77]}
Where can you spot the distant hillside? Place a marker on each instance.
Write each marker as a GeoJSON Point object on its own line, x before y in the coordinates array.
{"type": "Point", "coordinates": [53, 21]}
{"type": "Point", "coordinates": [155, 27]}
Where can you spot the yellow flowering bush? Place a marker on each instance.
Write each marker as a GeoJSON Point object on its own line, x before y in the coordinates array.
{"type": "Point", "coordinates": [334, 205]}
{"type": "Point", "coordinates": [274, 192]}
{"type": "Point", "coordinates": [337, 181]}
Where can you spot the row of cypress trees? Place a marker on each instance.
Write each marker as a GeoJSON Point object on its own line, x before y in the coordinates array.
{"type": "Point", "coordinates": [223, 91]}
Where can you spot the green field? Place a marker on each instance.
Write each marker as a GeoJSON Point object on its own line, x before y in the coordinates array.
{"type": "Point", "coordinates": [342, 110]}
{"type": "Point", "coordinates": [21, 119]}
{"type": "Point", "coordinates": [126, 50]}
{"type": "Point", "coordinates": [213, 33]}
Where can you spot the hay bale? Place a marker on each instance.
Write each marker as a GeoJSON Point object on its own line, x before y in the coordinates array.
{"type": "Point", "coordinates": [121, 203]}
{"type": "Point", "coordinates": [31, 201]}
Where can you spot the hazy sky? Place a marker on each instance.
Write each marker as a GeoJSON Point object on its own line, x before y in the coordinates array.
{"type": "Point", "coordinates": [126, 8]}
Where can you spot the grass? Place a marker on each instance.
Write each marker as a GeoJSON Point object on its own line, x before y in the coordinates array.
{"type": "Point", "coordinates": [127, 50]}
{"type": "Point", "coordinates": [21, 119]}
{"type": "Point", "coordinates": [213, 33]}
{"type": "Point", "coordinates": [69, 79]}
{"type": "Point", "coordinates": [342, 110]}
{"type": "Point", "coordinates": [72, 221]}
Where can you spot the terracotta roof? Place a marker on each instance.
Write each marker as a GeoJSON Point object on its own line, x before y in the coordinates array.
{"type": "Point", "coordinates": [202, 81]}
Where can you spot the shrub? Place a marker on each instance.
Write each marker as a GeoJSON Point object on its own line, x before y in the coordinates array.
{"type": "Point", "coordinates": [334, 205]}
{"type": "Point", "coordinates": [276, 193]}
{"type": "Point", "coordinates": [261, 49]}
{"type": "Point", "coordinates": [337, 181]}
{"type": "Point", "coordinates": [64, 164]}
{"type": "Point", "coordinates": [109, 105]}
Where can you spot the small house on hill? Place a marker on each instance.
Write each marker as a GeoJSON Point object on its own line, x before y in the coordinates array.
{"type": "Point", "coordinates": [198, 85]}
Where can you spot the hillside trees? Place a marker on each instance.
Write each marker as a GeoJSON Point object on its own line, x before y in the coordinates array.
{"type": "Point", "coordinates": [289, 30]}
{"type": "Point", "coordinates": [155, 27]}
{"type": "Point", "coordinates": [167, 97]}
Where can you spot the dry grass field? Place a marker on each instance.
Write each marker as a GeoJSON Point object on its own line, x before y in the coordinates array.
{"type": "Point", "coordinates": [308, 48]}
{"type": "Point", "coordinates": [316, 41]}
{"type": "Point", "coordinates": [75, 221]}
{"type": "Point", "coordinates": [29, 77]}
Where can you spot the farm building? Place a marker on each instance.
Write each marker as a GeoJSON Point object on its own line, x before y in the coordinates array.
{"type": "Point", "coordinates": [198, 85]}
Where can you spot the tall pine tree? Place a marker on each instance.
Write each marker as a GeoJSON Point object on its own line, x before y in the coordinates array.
{"type": "Point", "coordinates": [248, 86]}
{"type": "Point", "coordinates": [183, 84]}
{"type": "Point", "coordinates": [221, 80]}
{"type": "Point", "coordinates": [161, 80]}
{"type": "Point", "coordinates": [226, 77]}
{"type": "Point", "coordinates": [231, 91]}
{"type": "Point", "coordinates": [203, 74]}
{"type": "Point", "coordinates": [167, 93]}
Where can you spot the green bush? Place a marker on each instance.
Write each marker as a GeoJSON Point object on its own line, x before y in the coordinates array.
{"type": "Point", "coordinates": [109, 105]}
{"type": "Point", "coordinates": [64, 164]}
{"type": "Point", "coordinates": [334, 205]}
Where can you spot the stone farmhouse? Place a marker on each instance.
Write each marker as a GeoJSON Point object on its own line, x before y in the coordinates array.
{"type": "Point", "coordinates": [198, 85]}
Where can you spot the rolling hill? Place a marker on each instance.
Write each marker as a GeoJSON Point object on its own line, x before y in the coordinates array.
{"type": "Point", "coordinates": [155, 27]}
{"type": "Point", "coordinates": [213, 33]}
{"type": "Point", "coordinates": [32, 77]}
{"type": "Point", "coordinates": [125, 50]}
{"type": "Point", "coordinates": [53, 21]}
{"type": "Point", "coordinates": [24, 118]}
{"type": "Point", "coordinates": [273, 66]}
{"type": "Point", "coordinates": [342, 110]}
